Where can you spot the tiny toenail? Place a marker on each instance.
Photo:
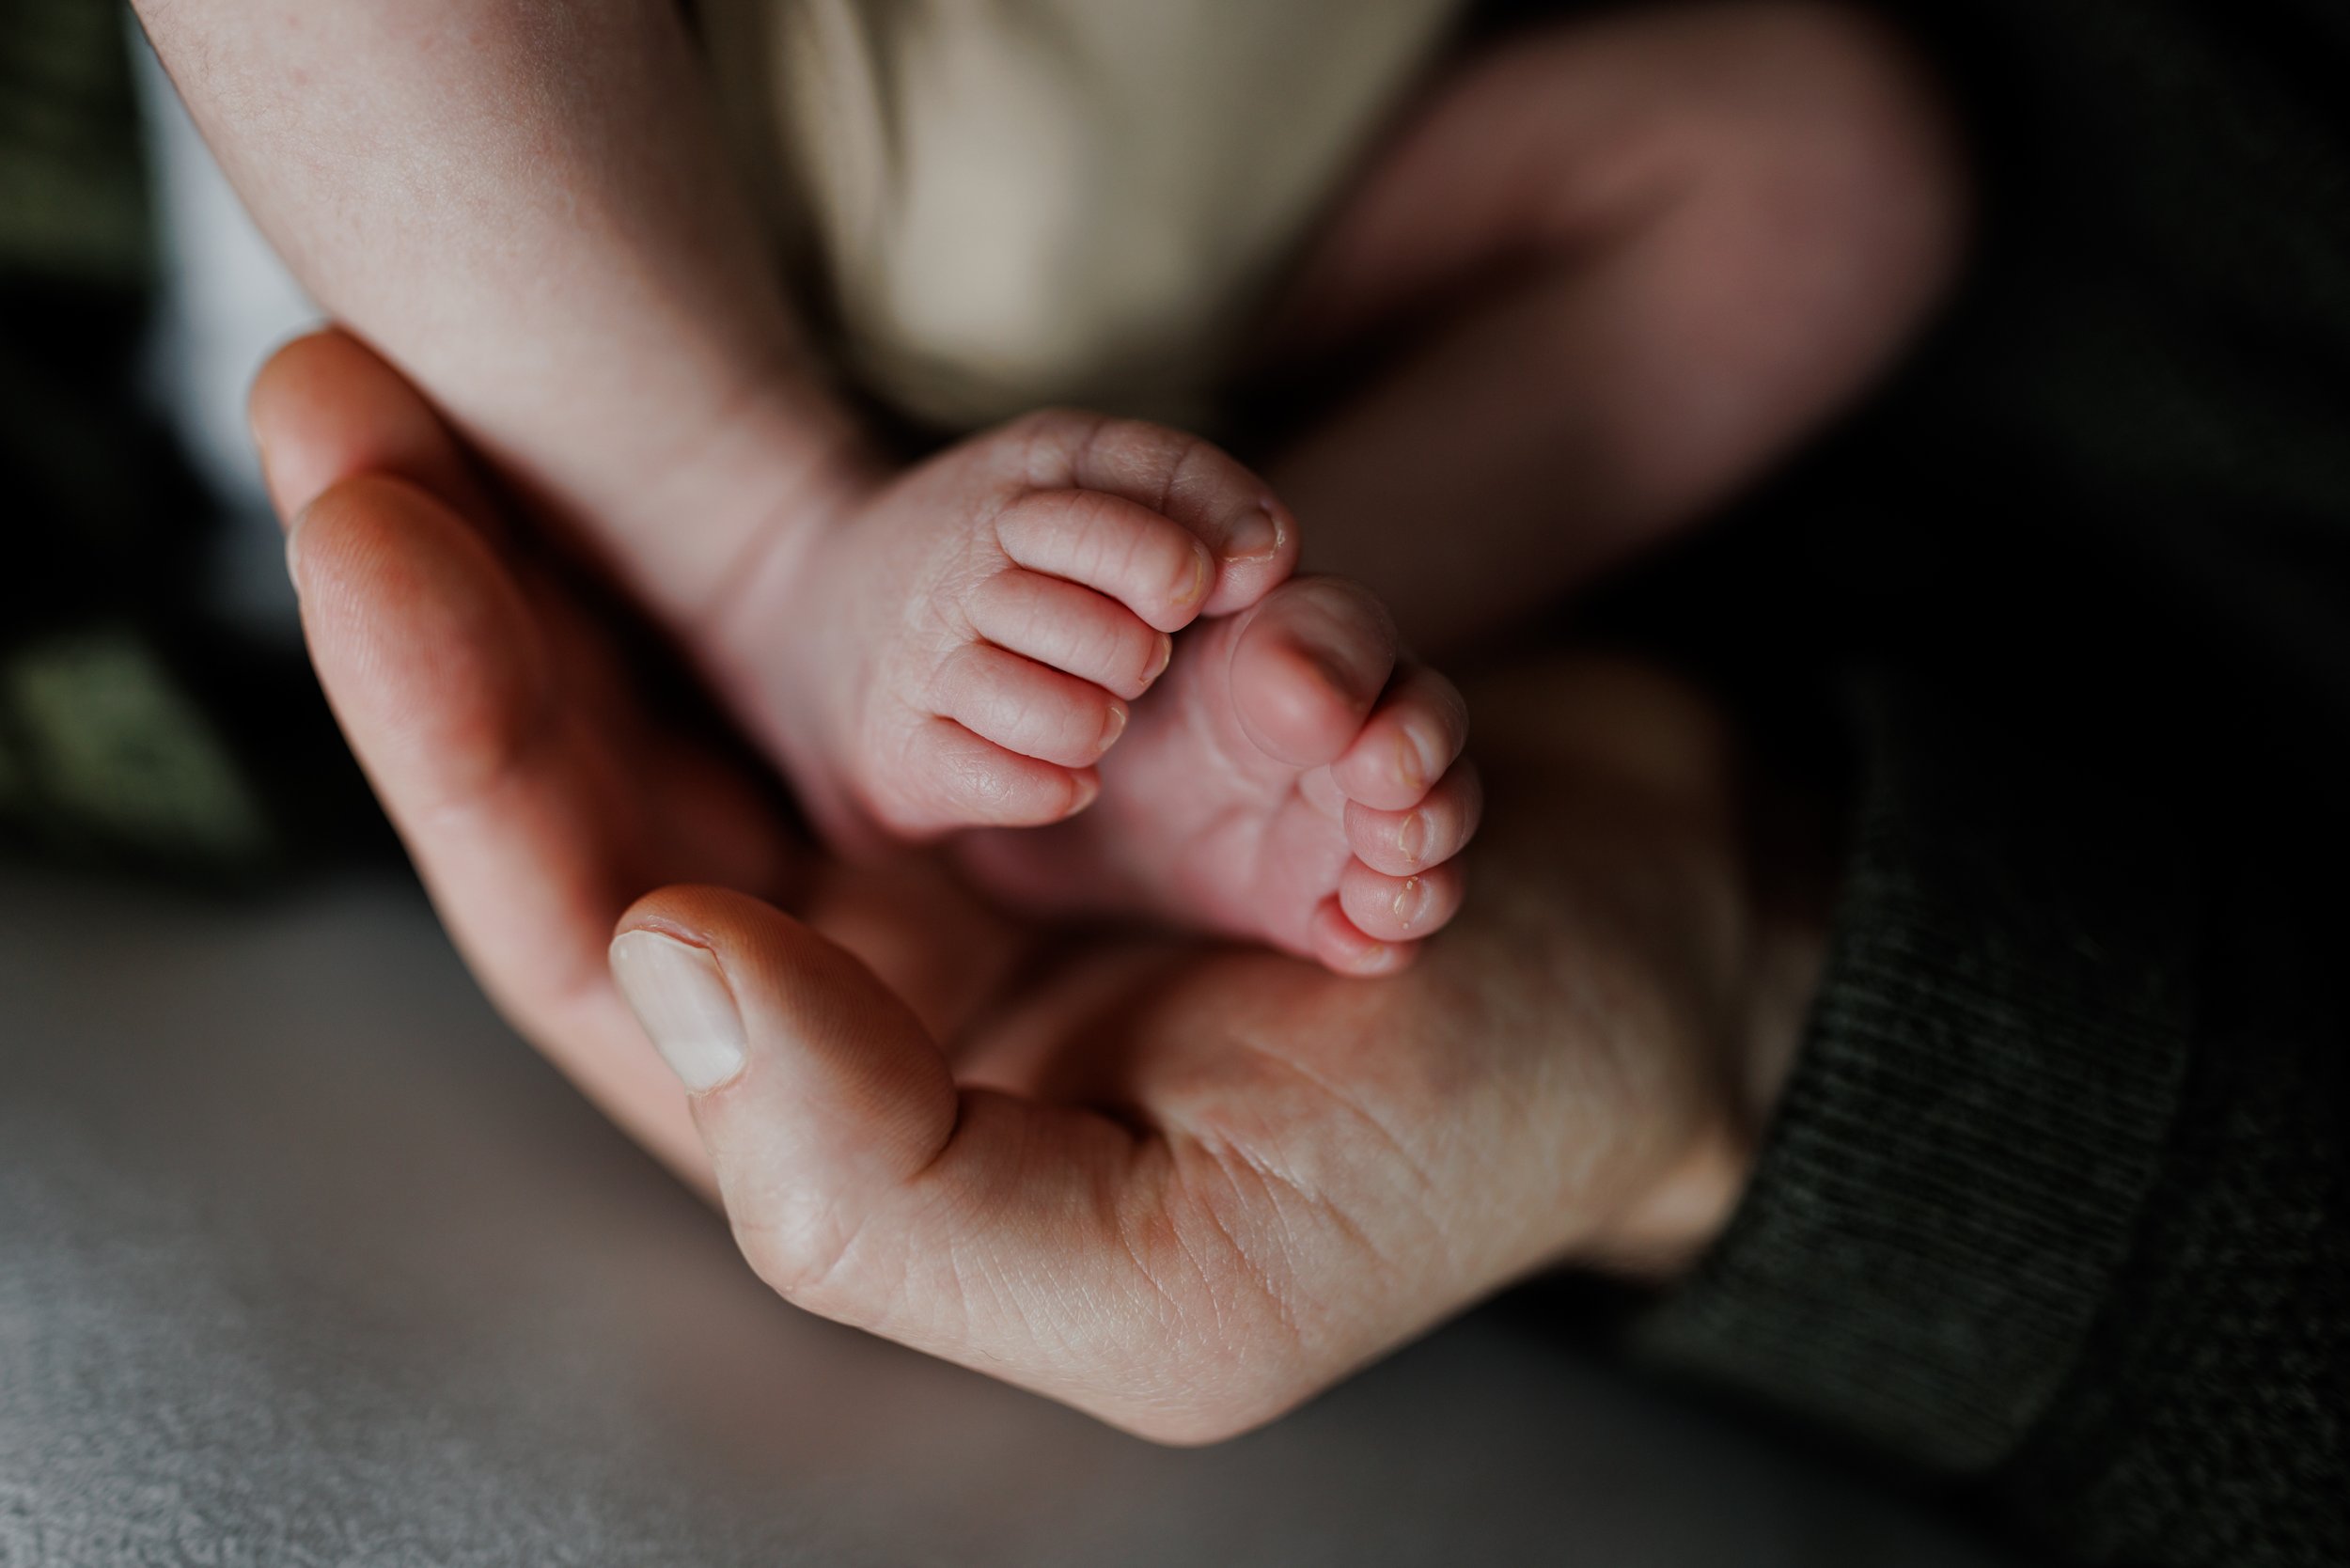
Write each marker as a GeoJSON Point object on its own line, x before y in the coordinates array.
{"type": "Point", "coordinates": [1113, 726]}
{"type": "Point", "coordinates": [1411, 902]}
{"type": "Point", "coordinates": [1411, 839]}
{"type": "Point", "coordinates": [1202, 575]}
{"type": "Point", "coordinates": [1088, 788]}
{"type": "Point", "coordinates": [1256, 536]}
{"type": "Point", "coordinates": [1409, 767]}
{"type": "Point", "coordinates": [1167, 656]}
{"type": "Point", "coordinates": [1372, 957]}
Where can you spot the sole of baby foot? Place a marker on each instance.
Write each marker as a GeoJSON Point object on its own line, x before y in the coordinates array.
{"type": "Point", "coordinates": [1292, 779]}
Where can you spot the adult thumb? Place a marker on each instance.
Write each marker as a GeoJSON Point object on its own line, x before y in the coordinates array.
{"type": "Point", "coordinates": [1033, 1240]}
{"type": "Point", "coordinates": [817, 1092]}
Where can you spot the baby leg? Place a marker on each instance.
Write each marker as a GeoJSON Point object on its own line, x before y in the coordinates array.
{"type": "Point", "coordinates": [1628, 263]}
{"type": "Point", "coordinates": [525, 206]}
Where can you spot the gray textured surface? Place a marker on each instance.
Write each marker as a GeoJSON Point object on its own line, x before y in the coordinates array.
{"type": "Point", "coordinates": [305, 1259]}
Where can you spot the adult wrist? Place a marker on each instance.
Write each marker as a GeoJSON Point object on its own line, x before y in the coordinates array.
{"type": "Point", "coordinates": [1715, 888]}
{"type": "Point", "coordinates": [1689, 1205]}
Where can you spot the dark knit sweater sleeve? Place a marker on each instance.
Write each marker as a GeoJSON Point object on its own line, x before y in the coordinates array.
{"type": "Point", "coordinates": [2053, 1204]}
{"type": "Point", "coordinates": [2056, 1205]}
{"type": "Point", "coordinates": [1963, 1151]}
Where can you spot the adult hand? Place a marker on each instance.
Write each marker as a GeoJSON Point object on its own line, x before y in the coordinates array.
{"type": "Point", "coordinates": [1179, 1186]}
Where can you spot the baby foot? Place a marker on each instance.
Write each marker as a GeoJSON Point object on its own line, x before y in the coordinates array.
{"type": "Point", "coordinates": [962, 648]}
{"type": "Point", "coordinates": [1290, 781]}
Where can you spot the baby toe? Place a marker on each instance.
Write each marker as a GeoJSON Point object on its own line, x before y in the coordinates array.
{"type": "Point", "coordinates": [950, 778]}
{"type": "Point", "coordinates": [1107, 543]}
{"type": "Point", "coordinates": [1250, 536]}
{"type": "Point", "coordinates": [1406, 842]}
{"type": "Point", "coordinates": [1023, 707]}
{"type": "Point", "coordinates": [1254, 540]}
{"type": "Point", "coordinates": [1309, 667]}
{"type": "Point", "coordinates": [1340, 947]}
{"type": "Point", "coordinates": [1407, 746]}
{"type": "Point", "coordinates": [1393, 909]}
{"type": "Point", "coordinates": [1072, 629]}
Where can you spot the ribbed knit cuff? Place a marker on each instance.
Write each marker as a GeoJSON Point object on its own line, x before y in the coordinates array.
{"type": "Point", "coordinates": [1957, 1165]}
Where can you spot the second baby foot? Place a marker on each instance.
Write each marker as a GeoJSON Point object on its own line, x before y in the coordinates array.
{"type": "Point", "coordinates": [1291, 779]}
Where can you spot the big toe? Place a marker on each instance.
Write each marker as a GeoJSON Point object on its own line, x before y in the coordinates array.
{"type": "Point", "coordinates": [1309, 667]}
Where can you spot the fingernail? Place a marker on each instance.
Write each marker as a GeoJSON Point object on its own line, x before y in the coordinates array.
{"type": "Point", "coordinates": [1411, 902]}
{"type": "Point", "coordinates": [260, 458]}
{"type": "Point", "coordinates": [1088, 790]}
{"type": "Point", "coordinates": [1166, 657]}
{"type": "Point", "coordinates": [681, 997]}
{"type": "Point", "coordinates": [1255, 536]}
{"type": "Point", "coordinates": [293, 548]}
{"type": "Point", "coordinates": [1114, 726]}
{"type": "Point", "coordinates": [1411, 839]}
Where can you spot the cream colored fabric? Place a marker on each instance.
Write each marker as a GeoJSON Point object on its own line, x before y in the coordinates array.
{"type": "Point", "coordinates": [1021, 202]}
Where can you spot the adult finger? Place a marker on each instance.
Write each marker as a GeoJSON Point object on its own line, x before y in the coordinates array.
{"type": "Point", "coordinates": [327, 408]}
{"type": "Point", "coordinates": [440, 679]}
